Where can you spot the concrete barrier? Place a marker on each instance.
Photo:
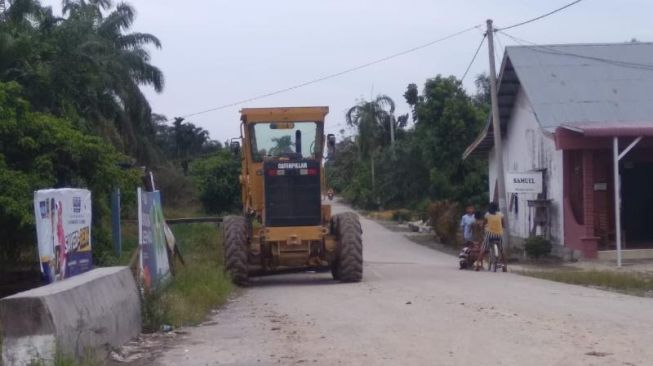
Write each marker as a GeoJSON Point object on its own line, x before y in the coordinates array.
{"type": "Point", "coordinates": [97, 309]}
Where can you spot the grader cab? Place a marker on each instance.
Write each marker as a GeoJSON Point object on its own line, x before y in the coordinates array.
{"type": "Point", "coordinates": [285, 225]}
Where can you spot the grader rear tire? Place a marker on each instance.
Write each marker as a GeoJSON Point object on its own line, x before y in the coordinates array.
{"type": "Point", "coordinates": [235, 249]}
{"type": "Point", "coordinates": [349, 264]}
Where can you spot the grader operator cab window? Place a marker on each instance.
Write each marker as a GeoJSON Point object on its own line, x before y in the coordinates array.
{"type": "Point", "coordinates": [290, 140]}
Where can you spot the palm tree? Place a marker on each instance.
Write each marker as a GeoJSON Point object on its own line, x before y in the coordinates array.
{"type": "Point", "coordinates": [122, 62]}
{"type": "Point", "coordinates": [375, 123]}
{"type": "Point", "coordinates": [85, 66]}
{"type": "Point", "coordinates": [21, 26]}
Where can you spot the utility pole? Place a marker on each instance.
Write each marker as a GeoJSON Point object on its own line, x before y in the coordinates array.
{"type": "Point", "coordinates": [496, 128]}
{"type": "Point", "coordinates": [392, 134]}
{"type": "Point", "coordinates": [392, 130]}
{"type": "Point", "coordinates": [373, 177]}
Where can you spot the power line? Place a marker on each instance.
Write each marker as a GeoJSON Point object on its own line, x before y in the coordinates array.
{"type": "Point", "coordinates": [334, 75]}
{"type": "Point", "coordinates": [383, 59]}
{"type": "Point", "coordinates": [550, 50]}
{"type": "Point", "coordinates": [539, 17]}
{"type": "Point", "coordinates": [473, 58]}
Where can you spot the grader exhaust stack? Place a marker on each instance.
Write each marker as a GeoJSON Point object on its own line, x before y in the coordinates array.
{"type": "Point", "coordinates": [285, 225]}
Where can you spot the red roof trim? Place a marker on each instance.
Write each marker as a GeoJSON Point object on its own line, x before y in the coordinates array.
{"type": "Point", "coordinates": [619, 129]}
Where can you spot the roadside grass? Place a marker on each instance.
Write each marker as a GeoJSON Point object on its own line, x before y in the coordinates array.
{"type": "Point", "coordinates": [190, 209]}
{"type": "Point", "coordinates": [397, 215]}
{"type": "Point", "coordinates": [638, 284]}
{"type": "Point", "coordinates": [380, 215]}
{"type": "Point", "coordinates": [197, 287]}
{"type": "Point", "coordinates": [89, 358]}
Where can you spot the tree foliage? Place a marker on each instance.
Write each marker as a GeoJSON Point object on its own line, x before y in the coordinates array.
{"type": "Point", "coordinates": [182, 142]}
{"type": "Point", "coordinates": [72, 108]}
{"type": "Point", "coordinates": [217, 180]}
{"type": "Point", "coordinates": [85, 66]}
{"type": "Point", "coordinates": [38, 150]}
{"type": "Point", "coordinates": [447, 122]}
{"type": "Point", "coordinates": [373, 121]}
{"type": "Point", "coordinates": [426, 160]}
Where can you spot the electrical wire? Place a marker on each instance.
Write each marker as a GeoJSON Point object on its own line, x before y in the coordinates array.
{"type": "Point", "coordinates": [473, 58]}
{"type": "Point", "coordinates": [539, 17]}
{"type": "Point", "coordinates": [377, 61]}
{"type": "Point", "coordinates": [550, 50]}
{"type": "Point", "coordinates": [333, 75]}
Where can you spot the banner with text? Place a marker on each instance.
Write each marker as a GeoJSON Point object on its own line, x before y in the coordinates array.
{"type": "Point", "coordinates": [63, 232]}
{"type": "Point", "coordinates": [154, 265]}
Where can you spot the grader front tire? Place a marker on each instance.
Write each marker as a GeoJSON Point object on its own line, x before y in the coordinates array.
{"type": "Point", "coordinates": [235, 249]}
{"type": "Point", "coordinates": [349, 264]}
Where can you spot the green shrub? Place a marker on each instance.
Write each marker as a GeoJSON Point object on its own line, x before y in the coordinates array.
{"type": "Point", "coordinates": [216, 178]}
{"type": "Point", "coordinates": [445, 220]}
{"type": "Point", "coordinates": [177, 190]}
{"type": "Point", "coordinates": [38, 150]}
{"type": "Point", "coordinates": [422, 209]}
{"type": "Point", "coordinates": [537, 247]}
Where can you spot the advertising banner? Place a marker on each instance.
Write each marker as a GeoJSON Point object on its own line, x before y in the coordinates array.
{"type": "Point", "coordinates": [154, 265]}
{"type": "Point", "coordinates": [63, 231]}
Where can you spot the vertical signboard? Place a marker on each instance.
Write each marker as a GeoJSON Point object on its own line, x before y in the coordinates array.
{"type": "Point", "coordinates": [63, 231]}
{"type": "Point", "coordinates": [154, 265]}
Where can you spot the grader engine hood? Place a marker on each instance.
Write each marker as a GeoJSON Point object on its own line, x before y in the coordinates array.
{"type": "Point", "coordinates": [292, 193]}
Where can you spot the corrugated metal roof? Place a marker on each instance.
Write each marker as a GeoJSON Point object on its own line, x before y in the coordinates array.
{"type": "Point", "coordinates": [589, 83]}
{"type": "Point", "coordinates": [576, 83]}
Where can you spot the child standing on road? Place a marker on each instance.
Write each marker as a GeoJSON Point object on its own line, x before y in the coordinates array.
{"type": "Point", "coordinates": [466, 224]}
{"type": "Point", "coordinates": [470, 252]}
{"type": "Point", "coordinates": [467, 255]}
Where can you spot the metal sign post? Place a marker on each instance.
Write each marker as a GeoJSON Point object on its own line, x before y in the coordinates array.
{"type": "Point", "coordinates": [115, 221]}
{"type": "Point", "coordinates": [617, 190]}
{"type": "Point", "coordinates": [617, 197]}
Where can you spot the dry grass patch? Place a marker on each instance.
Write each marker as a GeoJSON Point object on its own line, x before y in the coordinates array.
{"type": "Point", "coordinates": [631, 283]}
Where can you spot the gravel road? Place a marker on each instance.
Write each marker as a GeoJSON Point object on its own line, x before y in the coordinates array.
{"type": "Point", "coordinates": [414, 307]}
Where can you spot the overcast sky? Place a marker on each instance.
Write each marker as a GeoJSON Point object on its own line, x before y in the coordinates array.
{"type": "Point", "coordinates": [218, 52]}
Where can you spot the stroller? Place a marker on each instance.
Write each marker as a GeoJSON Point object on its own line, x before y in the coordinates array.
{"type": "Point", "coordinates": [469, 254]}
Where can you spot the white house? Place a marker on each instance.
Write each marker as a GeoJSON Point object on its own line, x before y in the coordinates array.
{"type": "Point", "coordinates": [561, 108]}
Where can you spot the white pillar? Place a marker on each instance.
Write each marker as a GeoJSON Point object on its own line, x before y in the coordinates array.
{"type": "Point", "coordinates": [617, 197]}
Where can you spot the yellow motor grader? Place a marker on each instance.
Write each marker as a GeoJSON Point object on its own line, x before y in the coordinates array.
{"type": "Point", "coordinates": [285, 225]}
